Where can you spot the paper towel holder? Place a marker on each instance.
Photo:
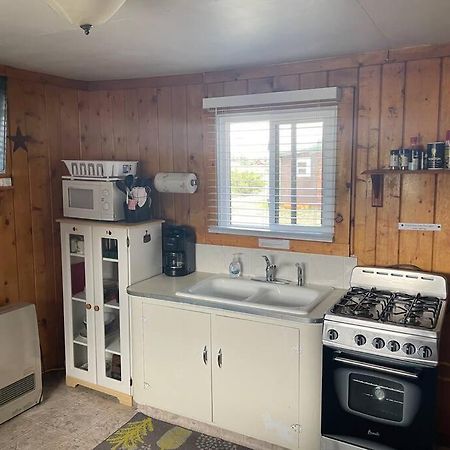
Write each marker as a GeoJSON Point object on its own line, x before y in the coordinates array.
{"type": "Point", "coordinates": [192, 182]}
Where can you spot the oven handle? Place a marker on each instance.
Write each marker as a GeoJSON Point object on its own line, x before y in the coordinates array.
{"type": "Point", "coordinates": [365, 365]}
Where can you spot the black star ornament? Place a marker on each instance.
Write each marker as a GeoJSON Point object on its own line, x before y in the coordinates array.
{"type": "Point", "coordinates": [20, 140]}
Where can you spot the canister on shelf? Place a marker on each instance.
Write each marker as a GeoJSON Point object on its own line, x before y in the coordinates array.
{"type": "Point", "coordinates": [423, 160]}
{"type": "Point", "coordinates": [404, 158]}
{"type": "Point", "coordinates": [436, 155]}
{"type": "Point", "coordinates": [394, 162]}
{"type": "Point", "coordinates": [414, 159]}
{"type": "Point", "coordinates": [447, 150]}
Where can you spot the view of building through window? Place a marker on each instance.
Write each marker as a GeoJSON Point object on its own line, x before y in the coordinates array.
{"type": "Point", "coordinates": [276, 173]}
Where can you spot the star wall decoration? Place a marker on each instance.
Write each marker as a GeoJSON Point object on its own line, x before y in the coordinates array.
{"type": "Point", "coordinates": [20, 140]}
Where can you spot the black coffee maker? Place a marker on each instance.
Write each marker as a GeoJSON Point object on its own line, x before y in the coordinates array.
{"type": "Point", "coordinates": [178, 250]}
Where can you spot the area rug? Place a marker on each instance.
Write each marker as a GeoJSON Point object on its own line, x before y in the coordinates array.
{"type": "Point", "coordinates": [145, 433]}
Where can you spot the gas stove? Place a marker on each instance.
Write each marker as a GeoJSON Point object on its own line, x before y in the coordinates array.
{"type": "Point", "coordinates": [390, 313]}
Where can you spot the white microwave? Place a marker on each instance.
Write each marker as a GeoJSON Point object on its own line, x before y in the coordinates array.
{"type": "Point", "coordinates": [96, 200]}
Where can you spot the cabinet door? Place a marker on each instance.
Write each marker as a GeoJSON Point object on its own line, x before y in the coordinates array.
{"type": "Point", "coordinates": [177, 366]}
{"type": "Point", "coordinates": [78, 293]}
{"type": "Point", "coordinates": [256, 379]}
{"type": "Point", "coordinates": [111, 307]}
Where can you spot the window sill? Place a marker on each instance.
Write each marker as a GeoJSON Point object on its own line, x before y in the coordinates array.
{"type": "Point", "coordinates": [306, 236]}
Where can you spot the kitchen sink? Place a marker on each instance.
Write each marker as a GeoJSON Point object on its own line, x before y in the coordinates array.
{"type": "Point", "coordinates": [274, 297]}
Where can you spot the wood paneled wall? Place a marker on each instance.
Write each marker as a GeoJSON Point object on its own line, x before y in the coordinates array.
{"type": "Point", "coordinates": [159, 121]}
{"type": "Point", "coordinates": [30, 269]}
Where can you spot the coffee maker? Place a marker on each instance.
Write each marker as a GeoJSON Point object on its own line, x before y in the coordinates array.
{"type": "Point", "coordinates": [178, 250]}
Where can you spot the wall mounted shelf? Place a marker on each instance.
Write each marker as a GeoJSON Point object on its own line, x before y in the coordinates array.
{"type": "Point", "coordinates": [377, 176]}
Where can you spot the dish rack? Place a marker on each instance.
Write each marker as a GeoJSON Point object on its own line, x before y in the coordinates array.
{"type": "Point", "coordinates": [100, 169]}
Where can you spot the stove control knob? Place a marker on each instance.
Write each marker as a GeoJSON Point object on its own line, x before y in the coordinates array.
{"type": "Point", "coordinates": [393, 346]}
{"type": "Point", "coordinates": [409, 349]}
{"type": "Point", "coordinates": [378, 342]}
{"type": "Point", "coordinates": [360, 339]}
{"type": "Point", "coordinates": [332, 335]}
{"type": "Point", "coordinates": [425, 352]}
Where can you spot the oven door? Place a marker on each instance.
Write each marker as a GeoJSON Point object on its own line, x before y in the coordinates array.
{"type": "Point", "coordinates": [377, 403]}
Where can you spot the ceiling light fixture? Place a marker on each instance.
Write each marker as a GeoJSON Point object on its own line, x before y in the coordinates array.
{"type": "Point", "coordinates": [86, 13]}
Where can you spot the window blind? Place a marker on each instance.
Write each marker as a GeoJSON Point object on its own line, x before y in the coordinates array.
{"type": "Point", "coordinates": [2, 125]}
{"type": "Point", "coordinates": [272, 168]}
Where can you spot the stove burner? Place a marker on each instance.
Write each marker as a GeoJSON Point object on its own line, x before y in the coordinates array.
{"type": "Point", "coordinates": [391, 307]}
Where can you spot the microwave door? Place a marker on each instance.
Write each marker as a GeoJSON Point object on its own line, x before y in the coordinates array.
{"type": "Point", "coordinates": [82, 200]}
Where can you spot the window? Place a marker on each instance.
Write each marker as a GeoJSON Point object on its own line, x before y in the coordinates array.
{"type": "Point", "coordinates": [2, 125]}
{"type": "Point", "coordinates": [276, 171]}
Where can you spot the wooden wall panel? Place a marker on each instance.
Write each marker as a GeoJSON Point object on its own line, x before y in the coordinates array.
{"type": "Point", "coordinates": [391, 137]}
{"type": "Point", "coordinates": [165, 147]}
{"type": "Point", "coordinates": [9, 277]}
{"type": "Point", "coordinates": [366, 158]}
{"type": "Point", "coordinates": [29, 235]}
{"type": "Point", "coordinates": [418, 193]}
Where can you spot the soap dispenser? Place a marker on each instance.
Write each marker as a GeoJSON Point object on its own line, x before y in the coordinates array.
{"type": "Point", "coordinates": [235, 268]}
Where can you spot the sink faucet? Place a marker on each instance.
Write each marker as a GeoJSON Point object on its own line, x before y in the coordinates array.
{"type": "Point", "coordinates": [270, 270]}
{"type": "Point", "coordinates": [300, 274]}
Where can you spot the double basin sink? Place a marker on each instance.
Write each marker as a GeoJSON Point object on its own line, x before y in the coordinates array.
{"type": "Point", "coordinates": [262, 295]}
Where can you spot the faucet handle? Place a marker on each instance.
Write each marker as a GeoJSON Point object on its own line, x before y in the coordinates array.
{"type": "Point", "coordinates": [300, 273]}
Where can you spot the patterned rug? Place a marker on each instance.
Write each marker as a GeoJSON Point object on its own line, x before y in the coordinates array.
{"type": "Point", "coordinates": [145, 433]}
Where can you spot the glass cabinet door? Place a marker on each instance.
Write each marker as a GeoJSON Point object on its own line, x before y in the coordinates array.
{"type": "Point", "coordinates": [111, 268]}
{"type": "Point", "coordinates": [78, 301]}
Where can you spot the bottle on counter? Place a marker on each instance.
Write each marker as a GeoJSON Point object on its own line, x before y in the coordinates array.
{"type": "Point", "coordinates": [235, 268]}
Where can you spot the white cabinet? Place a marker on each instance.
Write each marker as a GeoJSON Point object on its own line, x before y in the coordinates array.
{"type": "Point", "coordinates": [177, 367]}
{"type": "Point", "coordinates": [98, 265]}
{"type": "Point", "coordinates": [239, 374]}
{"type": "Point", "coordinates": [256, 379]}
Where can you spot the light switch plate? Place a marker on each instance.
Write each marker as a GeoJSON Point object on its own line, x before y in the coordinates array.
{"type": "Point", "coordinates": [419, 226]}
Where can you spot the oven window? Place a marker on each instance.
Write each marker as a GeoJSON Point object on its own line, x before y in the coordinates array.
{"type": "Point", "coordinates": [376, 397]}
{"type": "Point", "coordinates": [81, 198]}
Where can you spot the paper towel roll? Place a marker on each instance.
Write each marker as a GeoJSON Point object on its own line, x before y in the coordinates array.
{"type": "Point", "coordinates": [176, 183]}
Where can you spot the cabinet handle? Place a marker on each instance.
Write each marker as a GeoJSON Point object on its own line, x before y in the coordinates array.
{"type": "Point", "coordinates": [219, 358]}
{"type": "Point", "coordinates": [96, 308]}
{"type": "Point", "coordinates": [205, 355]}
{"type": "Point", "coordinates": [88, 306]}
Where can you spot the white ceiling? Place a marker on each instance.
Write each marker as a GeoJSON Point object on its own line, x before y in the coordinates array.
{"type": "Point", "coordinates": [161, 37]}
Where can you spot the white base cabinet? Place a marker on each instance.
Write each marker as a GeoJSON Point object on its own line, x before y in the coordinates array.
{"type": "Point", "coordinates": [256, 379]}
{"type": "Point", "coordinates": [177, 371]}
{"type": "Point", "coordinates": [99, 261]}
{"type": "Point", "coordinates": [238, 373]}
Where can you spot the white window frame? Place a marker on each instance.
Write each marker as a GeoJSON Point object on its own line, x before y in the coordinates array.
{"type": "Point", "coordinates": [324, 233]}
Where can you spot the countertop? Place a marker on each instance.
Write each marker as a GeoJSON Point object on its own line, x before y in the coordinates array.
{"type": "Point", "coordinates": [162, 287]}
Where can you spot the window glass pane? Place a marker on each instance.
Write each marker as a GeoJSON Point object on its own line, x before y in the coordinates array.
{"type": "Point", "coordinates": [284, 174]}
{"type": "Point", "coordinates": [309, 137]}
{"type": "Point", "coordinates": [249, 169]}
{"type": "Point", "coordinates": [2, 124]}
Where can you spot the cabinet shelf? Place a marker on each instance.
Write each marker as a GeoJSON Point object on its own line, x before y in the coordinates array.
{"type": "Point", "coordinates": [80, 340]}
{"type": "Point", "coordinates": [114, 260]}
{"type": "Point", "coordinates": [80, 297]}
{"type": "Point", "coordinates": [377, 176]}
{"type": "Point", "coordinates": [114, 304]}
{"type": "Point", "coordinates": [114, 346]}
{"type": "Point", "coordinates": [77, 255]}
